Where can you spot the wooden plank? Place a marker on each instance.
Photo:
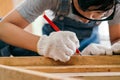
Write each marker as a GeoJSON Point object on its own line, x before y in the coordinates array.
{"type": "Point", "coordinates": [74, 69]}
{"type": "Point", "coordinates": [100, 78]}
{"type": "Point", "coordinates": [92, 75]}
{"type": "Point", "coordinates": [12, 73]}
{"type": "Point", "coordinates": [88, 74]}
{"type": "Point", "coordinates": [76, 65]}
{"type": "Point", "coordinates": [75, 60]}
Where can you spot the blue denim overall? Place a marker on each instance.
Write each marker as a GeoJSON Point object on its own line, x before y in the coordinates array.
{"type": "Point", "coordinates": [7, 50]}
{"type": "Point", "coordinates": [86, 32]}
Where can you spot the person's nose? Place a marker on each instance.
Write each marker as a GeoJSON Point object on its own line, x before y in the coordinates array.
{"type": "Point", "coordinates": [92, 16]}
{"type": "Point", "coordinates": [95, 16]}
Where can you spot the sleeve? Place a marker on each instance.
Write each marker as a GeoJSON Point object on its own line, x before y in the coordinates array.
{"type": "Point", "coordinates": [31, 9]}
{"type": "Point", "coordinates": [116, 19]}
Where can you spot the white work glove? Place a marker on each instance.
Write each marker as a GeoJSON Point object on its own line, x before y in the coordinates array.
{"type": "Point", "coordinates": [58, 45]}
{"type": "Point", "coordinates": [96, 49]}
{"type": "Point", "coordinates": [116, 48]}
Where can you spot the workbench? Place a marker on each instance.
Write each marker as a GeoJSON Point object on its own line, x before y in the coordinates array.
{"type": "Point", "coordinates": [43, 68]}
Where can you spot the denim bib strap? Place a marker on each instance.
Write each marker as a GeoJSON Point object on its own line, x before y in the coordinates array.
{"type": "Point", "coordinates": [64, 7]}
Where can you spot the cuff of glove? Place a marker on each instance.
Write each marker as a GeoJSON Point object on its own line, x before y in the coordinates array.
{"type": "Point", "coordinates": [109, 52]}
{"type": "Point", "coordinates": [41, 42]}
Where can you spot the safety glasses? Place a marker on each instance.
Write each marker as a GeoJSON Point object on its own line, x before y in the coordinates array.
{"type": "Point", "coordinates": [108, 15]}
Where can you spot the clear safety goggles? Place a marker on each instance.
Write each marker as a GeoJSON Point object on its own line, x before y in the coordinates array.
{"type": "Point", "coordinates": [108, 15]}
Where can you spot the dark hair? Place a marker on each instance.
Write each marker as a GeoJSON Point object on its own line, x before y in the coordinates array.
{"type": "Point", "coordinates": [102, 5]}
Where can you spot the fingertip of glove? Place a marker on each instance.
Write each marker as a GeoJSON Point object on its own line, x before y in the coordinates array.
{"type": "Point", "coordinates": [67, 58]}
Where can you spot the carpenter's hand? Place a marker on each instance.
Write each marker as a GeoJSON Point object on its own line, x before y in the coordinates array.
{"type": "Point", "coordinates": [58, 45]}
{"type": "Point", "coordinates": [96, 49]}
{"type": "Point", "coordinates": [116, 48]}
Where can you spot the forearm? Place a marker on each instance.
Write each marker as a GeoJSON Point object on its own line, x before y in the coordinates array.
{"type": "Point", "coordinates": [114, 31]}
{"type": "Point", "coordinates": [116, 40]}
{"type": "Point", "coordinates": [16, 36]}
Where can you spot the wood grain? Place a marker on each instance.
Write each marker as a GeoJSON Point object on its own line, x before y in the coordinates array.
{"type": "Point", "coordinates": [79, 67]}
{"type": "Point", "coordinates": [12, 73]}
{"type": "Point", "coordinates": [75, 60]}
{"type": "Point", "coordinates": [74, 69]}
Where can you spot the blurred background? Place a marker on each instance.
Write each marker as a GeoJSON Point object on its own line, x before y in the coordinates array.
{"type": "Point", "coordinates": [7, 5]}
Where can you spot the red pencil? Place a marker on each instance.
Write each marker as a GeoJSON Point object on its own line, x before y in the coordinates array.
{"type": "Point", "coordinates": [56, 28]}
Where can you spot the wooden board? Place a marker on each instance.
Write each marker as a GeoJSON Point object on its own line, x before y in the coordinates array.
{"type": "Point", "coordinates": [12, 73]}
{"type": "Point", "coordinates": [75, 60]}
{"type": "Point", "coordinates": [74, 69]}
{"type": "Point", "coordinates": [42, 68]}
{"type": "Point", "coordinates": [92, 75]}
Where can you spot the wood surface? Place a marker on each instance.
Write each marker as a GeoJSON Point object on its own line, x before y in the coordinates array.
{"type": "Point", "coordinates": [76, 64]}
{"type": "Point", "coordinates": [78, 68]}
{"type": "Point", "coordinates": [92, 75]}
{"type": "Point", "coordinates": [12, 73]}
{"type": "Point", "coordinates": [74, 69]}
{"type": "Point", "coordinates": [75, 60]}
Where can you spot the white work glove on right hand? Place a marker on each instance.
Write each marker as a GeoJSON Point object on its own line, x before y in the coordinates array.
{"type": "Point", "coordinates": [96, 49]}
{"type": "Point", "coordinates": [58, 45]}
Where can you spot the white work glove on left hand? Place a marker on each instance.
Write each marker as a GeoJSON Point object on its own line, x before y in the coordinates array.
{"type": "Point", "coordinates": [96, 49]}
{"type": "Point", "coordinates": [58, 45]}
{"type": "Point", "coordinates": [116, 48]}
